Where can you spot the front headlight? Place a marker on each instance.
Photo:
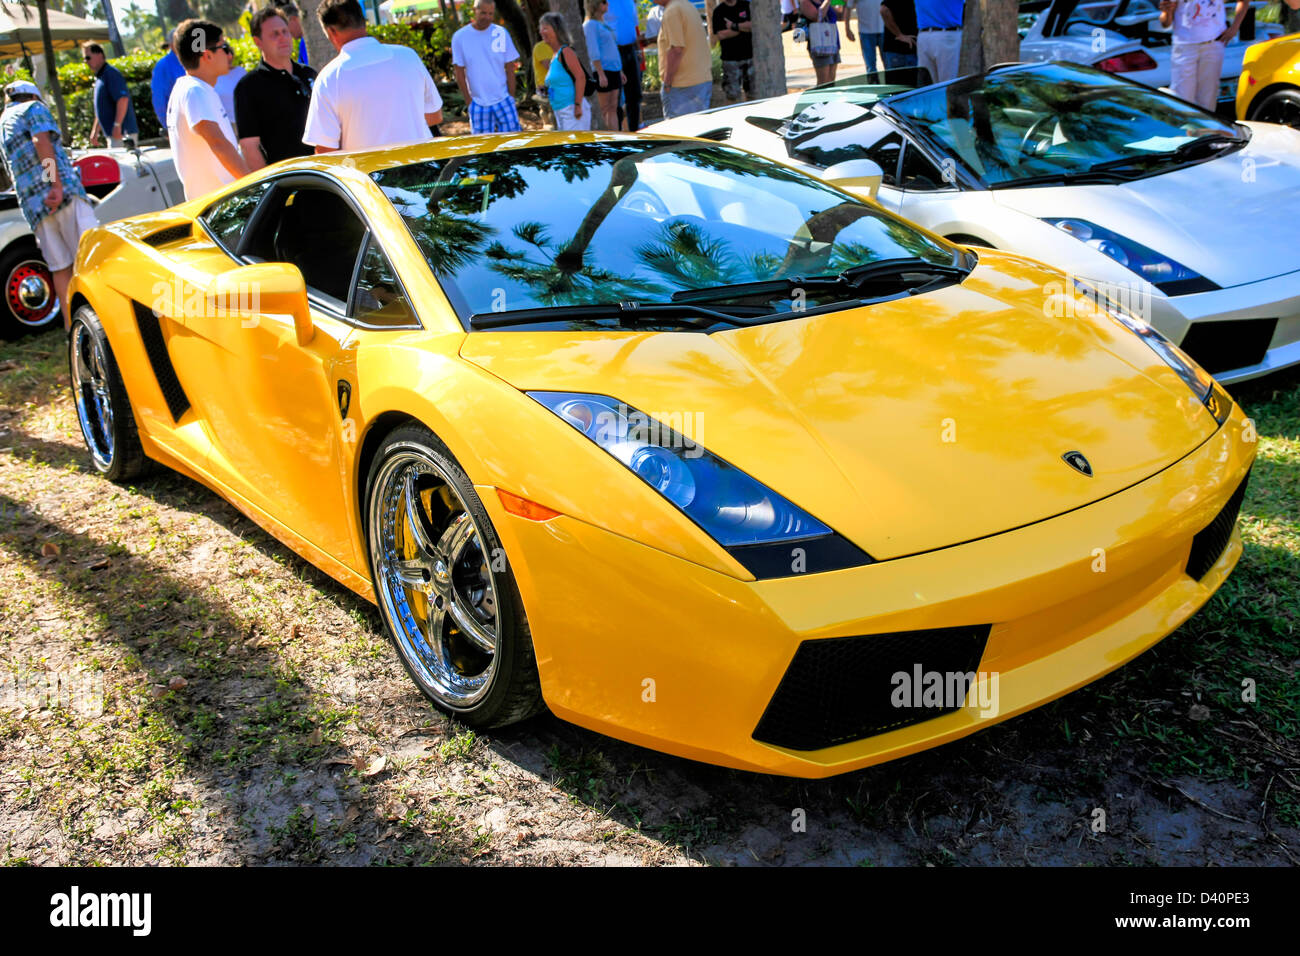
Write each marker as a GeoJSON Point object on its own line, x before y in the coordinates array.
{"type": "Point", "coordinates": [766, 533]}
{"type": "Point", "coordinates": [1161, 271]}
{"type": "Point", "coordinates": [1202, 384]}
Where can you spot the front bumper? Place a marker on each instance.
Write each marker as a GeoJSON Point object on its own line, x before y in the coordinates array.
{"type": "Point", "coordinates": [1273, 304]}
{"type": "Point", "coordinates": [648, 648]}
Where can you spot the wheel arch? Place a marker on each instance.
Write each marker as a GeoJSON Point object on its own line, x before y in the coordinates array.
{"type": "Point", "coordinates": [1261, 95]}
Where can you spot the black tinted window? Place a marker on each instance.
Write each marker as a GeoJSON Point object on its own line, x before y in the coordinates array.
{"type": "Point", "coordinates": [227, 218]}
{"type": "Point", "coordinates": [379, 299]}
{"type": "Point", "coordinates": [316, 230]}
{"type": "Point", "coordinates": [918, 172]}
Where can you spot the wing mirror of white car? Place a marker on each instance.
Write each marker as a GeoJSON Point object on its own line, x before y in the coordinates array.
{"type": "Point", "coordinates": [856, 175]}
{"type": "Point", "coordinates": [265, 288]}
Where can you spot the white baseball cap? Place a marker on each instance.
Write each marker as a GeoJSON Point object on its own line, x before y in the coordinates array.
{"type": "Point", "coordinates": [22, 88]}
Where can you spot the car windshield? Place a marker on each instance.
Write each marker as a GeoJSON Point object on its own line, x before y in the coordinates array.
{"type": "Point", "coordinates": [603, 223]}
{"type": "Point", "coordinates": [1058, 119]}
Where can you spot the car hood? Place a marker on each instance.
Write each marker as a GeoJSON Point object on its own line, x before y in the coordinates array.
{"type": "Point", "coordinates": [1181, 214]}
{"type": "Point", "coordinates": [907, 425]}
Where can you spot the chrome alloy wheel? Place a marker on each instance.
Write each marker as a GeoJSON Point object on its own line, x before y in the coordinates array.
{"type": "Point", "coordinates": [433, 579]}
{"type": "Point", "coordinates": [90, 388]}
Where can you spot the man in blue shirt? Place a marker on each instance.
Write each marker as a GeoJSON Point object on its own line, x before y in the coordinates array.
{"type": "Point", "coordinates": [165, 74]}
{"type": "Point", "coordinates": [114, 113]}
{"type": "Point", "coordinates": [938, 41]}
{"type": "Point", "coordinates": [53, 201]}
{"type": "Point", "coordinates": [622, 16]}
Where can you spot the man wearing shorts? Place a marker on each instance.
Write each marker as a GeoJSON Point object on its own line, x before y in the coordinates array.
{"type": "Point", "coordinates": [731, 30]}
{"type": "Point", "coordinates": [53, 201]}
{"type": "Point", "coordinates": [485, 62]}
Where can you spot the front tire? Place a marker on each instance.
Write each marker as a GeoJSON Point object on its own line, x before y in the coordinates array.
{"type": "Point", "coordinates": [445, 590]}
{"type": "Point", "coordinates": [30, 304]}
{"type": "Point", "coordinates": [103, 410]}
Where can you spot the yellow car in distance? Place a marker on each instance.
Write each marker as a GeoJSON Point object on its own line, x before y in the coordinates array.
{"type": "Point", "coordinates": [1269, 87]}
{"type": "Point", "coordinates": [691, 448]}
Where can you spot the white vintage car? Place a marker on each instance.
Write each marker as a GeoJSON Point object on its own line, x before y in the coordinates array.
{"type": "Point", "coordinates": [1125, 37]}
{"type": "Point", "coordinates": [1189, 217]}
{"type": "Point", "coordinates": [121, 182]}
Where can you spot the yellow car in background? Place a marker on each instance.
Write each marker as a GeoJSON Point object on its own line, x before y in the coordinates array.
{"type": "Point", "coordinates": [1269, 87]}
{"type": "Point", "coordinates": [692, 448]}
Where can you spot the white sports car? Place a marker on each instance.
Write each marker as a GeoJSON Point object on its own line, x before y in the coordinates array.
{"type": "Point", "coordinates": [121, 182]}
{"type": "Point", "coordinates": [1125, 37]}
{"type": "Point", "coordinates": [1187, 217]}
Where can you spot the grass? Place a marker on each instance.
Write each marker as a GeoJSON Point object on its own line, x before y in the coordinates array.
{"type": "Point", "coordinates": [291, 690]}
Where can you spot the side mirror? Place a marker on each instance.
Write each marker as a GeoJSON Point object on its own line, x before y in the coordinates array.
{"type": "Point", "coordinates": [275, 288]}
{"type": "Point", "coordinates": [856, 175]}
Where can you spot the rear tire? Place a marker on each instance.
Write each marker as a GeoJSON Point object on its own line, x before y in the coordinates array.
{"type": "Point", "coordinates": [1281, 107]}
{"type": "Point", "coordinates": [103, 409]}
{"type": "Point", "coordinates": [445, 590]}
{"type": "Point", "coordinates": [30, 304]}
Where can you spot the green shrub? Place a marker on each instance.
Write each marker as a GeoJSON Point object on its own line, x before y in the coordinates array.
{"type": "Point", "coordinates": [429, 38]}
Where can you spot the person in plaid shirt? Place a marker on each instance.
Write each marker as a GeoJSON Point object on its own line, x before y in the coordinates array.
{"type": "Point", "coordinates": [49, 190]}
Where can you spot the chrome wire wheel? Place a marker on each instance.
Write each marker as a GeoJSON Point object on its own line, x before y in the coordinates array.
{"type": "Point", "coordinates": [90, 386]}
{"type": "Point", "coordinates": [434, 578]}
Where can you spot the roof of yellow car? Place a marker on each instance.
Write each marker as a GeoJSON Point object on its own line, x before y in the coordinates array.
{"type": "Point", "coordinates": [446, 147]}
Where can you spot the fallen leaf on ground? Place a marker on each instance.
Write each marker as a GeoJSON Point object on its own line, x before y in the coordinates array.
{"type": "Point", "coordinates": [376, 766]}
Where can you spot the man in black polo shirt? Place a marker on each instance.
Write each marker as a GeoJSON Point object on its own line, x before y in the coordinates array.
{"type": "Point", "coordinates": [731, 31]}
{"type": "Point", "coordinates": [271, 101]}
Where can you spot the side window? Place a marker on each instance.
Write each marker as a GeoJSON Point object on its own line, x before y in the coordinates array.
{"type": "Point", "coordinates": [379, 298]}
{"type": "Point", "coordinates": [227, 218]}
{"type": "Point", "coordinates": [918, 173]}
{"type": "Point", "coordinates": [316, 230]}
{"type": "Point", "coordinates": [885, 155]}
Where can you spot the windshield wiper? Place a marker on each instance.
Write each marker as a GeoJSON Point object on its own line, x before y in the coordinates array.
{"type": "Point", "coordinates": [886, 269]}
{"type": "Point", "coordinates": [627, 314]}
{"type": "Point", "coordinates": [1184, 151]}
{"type": "Point", "coordinates": [1063, 178]}
{"type": "Point", "coordinates": [849, 280]}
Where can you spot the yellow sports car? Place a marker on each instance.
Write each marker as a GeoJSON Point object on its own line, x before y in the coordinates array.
{"type": "Point", "coordinates": [1269, 87]}
{"type": "Point", "coordinates": [687, 446]}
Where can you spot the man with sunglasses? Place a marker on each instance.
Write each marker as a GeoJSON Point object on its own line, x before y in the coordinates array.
{"type": "Point", "coordinates": [271, 102]}
{"type": "Point", "coordinates": [202, 140]}
{"type": "Point", "coordinates": [114, 112]}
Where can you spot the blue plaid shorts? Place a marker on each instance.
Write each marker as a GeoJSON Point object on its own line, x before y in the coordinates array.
{"type": "Point", "coordinates": [498, 118]}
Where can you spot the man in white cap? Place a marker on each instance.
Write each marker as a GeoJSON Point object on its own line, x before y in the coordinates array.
{"type": "Point", "coordinates": [53, 201]}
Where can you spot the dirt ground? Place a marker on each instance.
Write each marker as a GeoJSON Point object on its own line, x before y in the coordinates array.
{"type": "Point", "coordinates": [254, 713]}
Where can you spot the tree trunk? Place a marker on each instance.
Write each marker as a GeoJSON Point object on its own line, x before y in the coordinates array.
{"type": "Point", "coordinates": [56, 91]}
{"type": "Point", "coordinates": [990, 35]}
{"type": "Point", "coordinates": [319, 49]}
{"type": "Point", "coordinates": [769, 51]}
{"type": "Point", "coordinates": [573, 14]}
{"type": "Point", "coordinates": [520, 31]}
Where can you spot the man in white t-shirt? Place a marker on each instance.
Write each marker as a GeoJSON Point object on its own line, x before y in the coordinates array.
{"type": "Point", "coordinates": [485, 61]}
{"type": "Point", "coordinates": [372, 94]}
{"type": "Point", "coordinates": [204, 148]}
{"type": "Point", "coordinates": [1196, 57]}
